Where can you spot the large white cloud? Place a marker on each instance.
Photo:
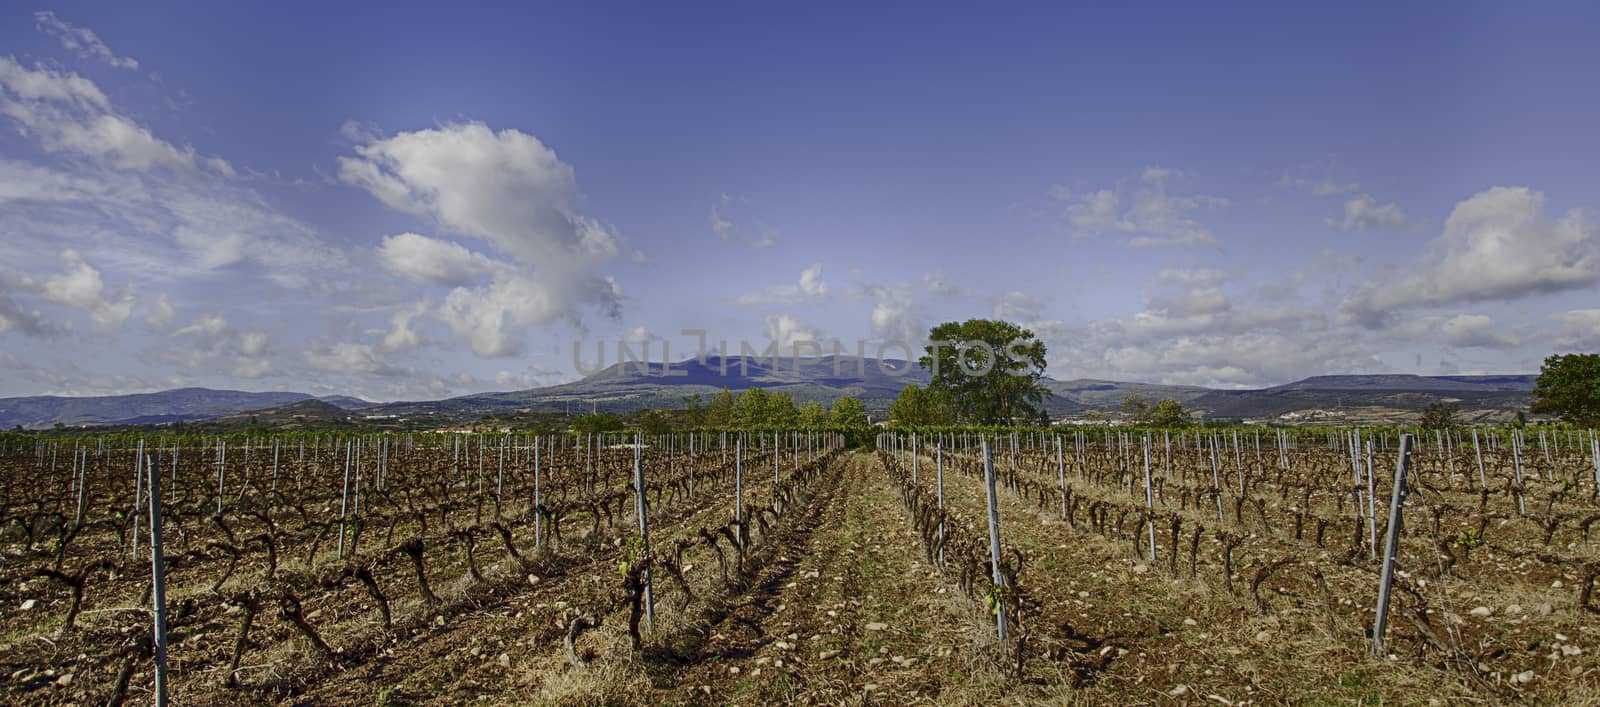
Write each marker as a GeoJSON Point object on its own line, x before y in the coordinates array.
{"type": "Point", "coordinates": [510, 190]}
{"type": "Point", "coordinates": [1496, 245]}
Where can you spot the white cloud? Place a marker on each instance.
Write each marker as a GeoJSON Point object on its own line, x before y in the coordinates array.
{"type": "Point", "coordinates": [158, 312]}
{"type": "Point", "coordinates": [1496, 245]}
{"type": "Point", "coordinates": [1146, 213]}
{"type": "Point", "coordinates": [1580, 329]}
{"type": "Point", "coordinates": [13, 317]}
{"type": "Point", "coordinates": [1322, 186]}
{"type": "Point", "coordinates": [431, 260]}
{"type": "Point", "coordinates": [207, 325]}
{"type": "Point", "coordinates": [348, 358]}
{"type": "Point", "coordinates": [510, 190]}
{"type": "Point", "coordinates": [810, 287]}
{"type": "Point", "coordinates": [81, 40]}
{"type": "Point", "coordinates": [1192, 277]}
{"type": "Point", "coordinates": [761, 236]}
{"type": "Point", "coordinates": [81, 287]}
{"type": "Point", "coordinates": [811, 283]}
{"type": "Point", "coordinates": [1017, 306]}
{"type": "Point", "coordinates": [1473, 331]}
{"type": "Point", "coordinates": [65, 112]}
{"type": "Point", "coordinates": [403, 334]}
{"type": "Point", "coordinates": [530, 377]}
{"type": "Point", "coordinates": [787, 331]}
{"type": "Point", "coordinates": [895, 315]}
{"type": "Point", "coordinates": [1364, 213]}
{"type": "Point", "coordinates": [639, 335]}
{"type": "Point", "coordinates": [210, 344]}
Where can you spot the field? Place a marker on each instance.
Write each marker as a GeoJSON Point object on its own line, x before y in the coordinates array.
{"type": "Point", "coordinates": [1222, 566]}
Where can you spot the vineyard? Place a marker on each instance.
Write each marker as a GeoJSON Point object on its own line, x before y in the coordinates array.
{"type": "Point", "coordinates": [1234, 566]}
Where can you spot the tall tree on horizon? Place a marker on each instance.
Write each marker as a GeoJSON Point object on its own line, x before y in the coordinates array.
{"type": "Point", "coordinates": [988, 370]}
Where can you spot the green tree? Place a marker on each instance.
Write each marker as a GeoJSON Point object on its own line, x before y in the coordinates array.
{"type": "Point", "coordinates": [694, 413]}
{"type": "Point", "coordinates": [813, 415]}
{"type": "Point", "coordinates": [1137, 408]}
{"type": "Point", "coordinates": [1439, 416]}
{"type": "Point", "coordinates": [1569, 387]}
{"type": "Point", "coordinates": [655, 422]}
{"type": "Point", "coordinates": [781, 411]}
{"type": "Point", "coordinates": [920, 407]}
{"type": "Point", "coordinates": [848, 412]}
{"type": "Point", "coordinates": [1169, 413]}
{"type": "Point", "coordinates": [989, 370]}
{"type": "Point", "coordinates": [597, 422]}
{"type": "Point", "coordinates": [750, 408]}
{"type": "Point", "coordinates": [719, 412]}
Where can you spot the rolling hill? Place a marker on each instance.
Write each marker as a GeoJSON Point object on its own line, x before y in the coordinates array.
{"type": "Point", "coordinates": [625, 388]}
{"type": "Point", "coordinates": [179, 405]}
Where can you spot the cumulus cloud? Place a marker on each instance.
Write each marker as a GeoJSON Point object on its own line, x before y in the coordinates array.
{"type": "Point", "coordinates": [787, 331]}
{"type": "Point", "coordinates": [510, 190]}
{"type": "Point", "coordinates": [403, 334]}
{"type": "Point", "coordinates": [13, 317]}
{"type": "Point", "coordinates": [78, 286]}
{"type": "Point", "coordinates": [158, 311]}
{"type": "Point", "coordinates": [348, 358]}
{"type": "Point", "coordinates": [81, 287]}
{"type": "Point", "coordinates": [1364, 213]}
{"type": "Point", "coordinates": [81, 40]}
{"type": "Point", "coordinates": [431, 260]}
{"type": "Point", "coordinates": [209, 343]}
{"type": "Point", "coordinates": [759, 236]}
{"type": "Point", "coordinates": [895, 314]}
{"type": "Point", "coordinates": [68, 113]}
{"type": "Point", "coordinates": [1580, 329]}
{"type": "Point", "coordinates": [1017, 305]}
{"type": "Point", "coordinates": [1496, 245]}
{"type": "Point", "coordinates": [1145, 211]}
{"type": "Point", "coordinates": [1473, 331]}
{"type": "Point", "coordinates": [810, 287]}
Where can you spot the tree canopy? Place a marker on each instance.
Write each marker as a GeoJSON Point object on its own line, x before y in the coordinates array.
{"type": "Point", "coordinates": [1569, 387]}
{"type": "Point", "coordinates": [1169, 413]}
{"type": "Point", "coordinates": [597, 422]}
{"type": "Point", "coordinates": [848, 412]}
{"type": "Point", "coordinates": [989, 371]}
{"type": "Point", "coordinates": [1439, 416]}
{"type": "Point", "coordinates": [1138, 408]}
{"type": "Point", "coordinates": [812, 415]}
{"type": "Point", "coordinates": [920, 407]}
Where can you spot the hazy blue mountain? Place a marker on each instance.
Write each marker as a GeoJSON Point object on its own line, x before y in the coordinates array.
{"type": "Point", "coordinates": [1401, 392]}
{"type": "Point", "coordinates": [624, 388]}
{"type": "Point", "coordinates": [179, 405]}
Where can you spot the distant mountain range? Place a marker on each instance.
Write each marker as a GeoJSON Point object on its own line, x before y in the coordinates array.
{"type": "Point", "coordinates": [626, 388]}
{"type": "Point", "coordinates": [179, 405]}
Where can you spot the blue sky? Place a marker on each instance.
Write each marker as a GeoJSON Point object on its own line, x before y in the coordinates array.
{"type": "Point", "coordinates": [399, 202]}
